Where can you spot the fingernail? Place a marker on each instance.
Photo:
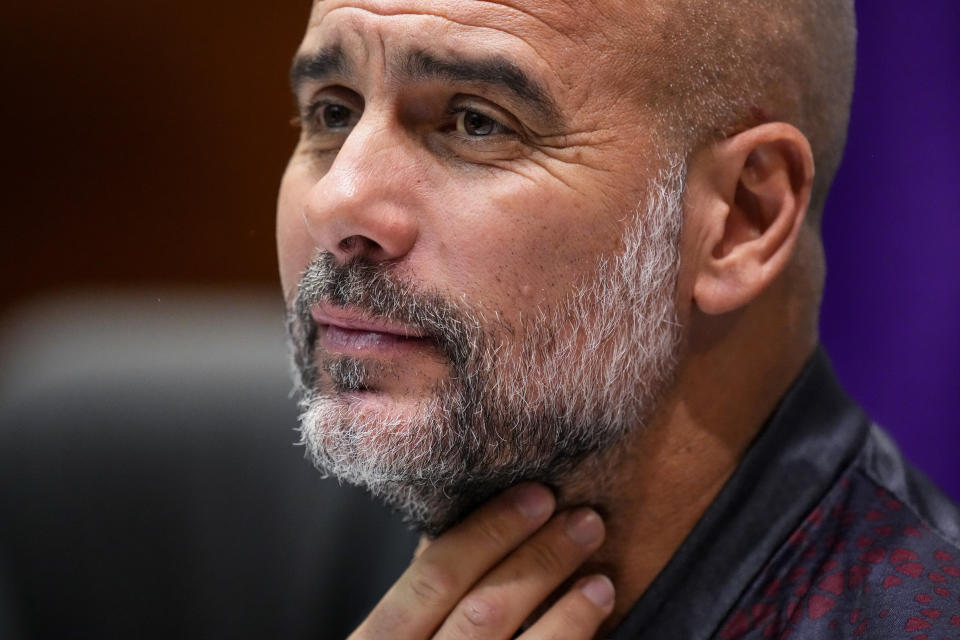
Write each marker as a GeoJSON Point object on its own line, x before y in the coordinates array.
{"type": "Point", "coordinates": [534, 501]}
{"type": "Point", "coordinates": [585, 527]}
{"type": "Point", "coordinates": [599, 590]}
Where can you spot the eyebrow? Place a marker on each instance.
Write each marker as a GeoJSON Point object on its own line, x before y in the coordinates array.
{"type": "Point", "coordinates": [492, 71]}
{"type": "Point", "coordinates": [319, 66]}
{"type": "Point", "coordinates": [419, 65]}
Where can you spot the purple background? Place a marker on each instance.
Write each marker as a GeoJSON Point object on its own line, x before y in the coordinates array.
{"type": "Point", "coordinates": [891, 313]}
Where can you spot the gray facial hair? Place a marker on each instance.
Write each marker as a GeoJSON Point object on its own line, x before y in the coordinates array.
{"type": "Point", "coordinates": [528, 402]}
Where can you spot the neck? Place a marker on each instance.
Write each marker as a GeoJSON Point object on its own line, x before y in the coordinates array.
{"type": "Point", "coordinates": [652, 491]}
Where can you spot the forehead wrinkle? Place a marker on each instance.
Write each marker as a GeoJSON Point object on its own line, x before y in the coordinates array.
{"type": "Point", "coordinates": [514, 7]}
{"type": "Point", "coordinates": [573, 26]}
{"type": "Point", "coordinates": [501, 29]}
{"type": "Point", "coordinates": [424, 14]}
{"type": "Point", "coordinates": [466, 10]}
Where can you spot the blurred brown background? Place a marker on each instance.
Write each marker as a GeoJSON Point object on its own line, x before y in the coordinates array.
{"type": "Point", "coordinates": [143, 142]}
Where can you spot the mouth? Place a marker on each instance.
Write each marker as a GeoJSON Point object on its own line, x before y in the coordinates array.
{"type": "Point", "coordinates": [350, 332]}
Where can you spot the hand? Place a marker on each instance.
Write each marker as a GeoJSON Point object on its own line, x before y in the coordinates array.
{"type": "Point", "coordinates": [485, 577]}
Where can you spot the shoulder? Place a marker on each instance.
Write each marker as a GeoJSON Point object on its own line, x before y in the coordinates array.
{"type": "Point", "coordinates": [878, 557]}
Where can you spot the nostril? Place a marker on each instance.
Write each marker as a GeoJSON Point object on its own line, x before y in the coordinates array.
{"type": "Point", "coordinates": [347, 244]}
{"type": "Point", "coordinates": [357, 245]}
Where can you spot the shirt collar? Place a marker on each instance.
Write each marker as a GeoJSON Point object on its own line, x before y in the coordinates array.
{"type": "Point", "coordinates": [813, 434]}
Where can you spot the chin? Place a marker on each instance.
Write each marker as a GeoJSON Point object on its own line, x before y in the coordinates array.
{"type": "Point", "coordinates": [418, 459]}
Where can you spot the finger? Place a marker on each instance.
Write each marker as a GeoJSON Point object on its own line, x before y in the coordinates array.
{"type": "Point", "coordinates": [515, 588]}
{"type": "Point", "coordinates": [578, 614]}
{"type": "Point", "coordinates": [430, 588]}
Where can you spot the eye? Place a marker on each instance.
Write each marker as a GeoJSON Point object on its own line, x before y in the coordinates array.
{"type": "Point", "coordinates": [476, 124]}
{"type": "Point", "coordinates": [331, 115]}
{"type": "Point", "coordinates": [335, 116]}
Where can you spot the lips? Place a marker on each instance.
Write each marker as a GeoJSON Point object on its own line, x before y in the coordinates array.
{"type": "Point", "coordinates": [350, 331]}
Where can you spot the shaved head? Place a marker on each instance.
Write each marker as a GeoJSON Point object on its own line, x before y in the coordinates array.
{"type": "Point", "coordinates": [713, 69]}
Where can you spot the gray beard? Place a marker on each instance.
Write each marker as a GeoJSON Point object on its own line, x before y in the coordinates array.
{"type": "Point", "coordinates": [525, 402]}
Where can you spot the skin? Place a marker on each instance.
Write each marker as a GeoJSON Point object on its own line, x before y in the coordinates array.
{"type": "Point", "coordinates": [498, 220]}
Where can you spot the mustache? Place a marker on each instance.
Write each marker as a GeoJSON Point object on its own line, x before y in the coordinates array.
{"type": "Point", "coordinates": [375, 290]}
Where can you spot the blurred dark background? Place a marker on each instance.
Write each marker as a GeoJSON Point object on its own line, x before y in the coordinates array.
{"type": "Point", "coordinates": [143, 143]}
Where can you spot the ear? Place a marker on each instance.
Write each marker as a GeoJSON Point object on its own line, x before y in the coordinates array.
{"type": "Point", "coordinates": [748, 197]}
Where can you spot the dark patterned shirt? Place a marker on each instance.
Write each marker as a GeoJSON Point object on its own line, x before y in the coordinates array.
{"type": "Point", "coordinates": [824, 531]}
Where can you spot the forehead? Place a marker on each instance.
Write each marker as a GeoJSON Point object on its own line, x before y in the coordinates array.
{"type": "Point", "coordinates": [522, 18]}
{"type": "Point", "coordinates": [572, 45]}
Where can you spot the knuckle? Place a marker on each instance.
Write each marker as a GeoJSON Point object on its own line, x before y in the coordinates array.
{"type": "Point", "coordinates": [546, 559]}
{"type": "Point", "coordinates": [432, 584]}
{"type": "Point", "coordinates": [493, 532]}
{"type": "Point", "coordinates": [482, 611]}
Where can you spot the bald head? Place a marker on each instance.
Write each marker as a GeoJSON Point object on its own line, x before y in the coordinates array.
{"type": "Point", "coordinates": [713, 69]}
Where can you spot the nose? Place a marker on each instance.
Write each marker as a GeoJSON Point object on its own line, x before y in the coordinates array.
{"type": "Point", "coordinates": [365, 206]}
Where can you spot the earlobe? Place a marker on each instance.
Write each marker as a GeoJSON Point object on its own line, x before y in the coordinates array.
{"type": "Point", "coordinates": [758, 192]}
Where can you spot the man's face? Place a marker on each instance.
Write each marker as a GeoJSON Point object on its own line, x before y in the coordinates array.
{"type": "Point", "coordinates": [475, 296]}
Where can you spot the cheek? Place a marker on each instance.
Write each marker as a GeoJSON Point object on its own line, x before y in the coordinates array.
{"type": "Point", "coordinates": [295, 246]}
{"type": "Point", "coordinates": [528, 246]}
